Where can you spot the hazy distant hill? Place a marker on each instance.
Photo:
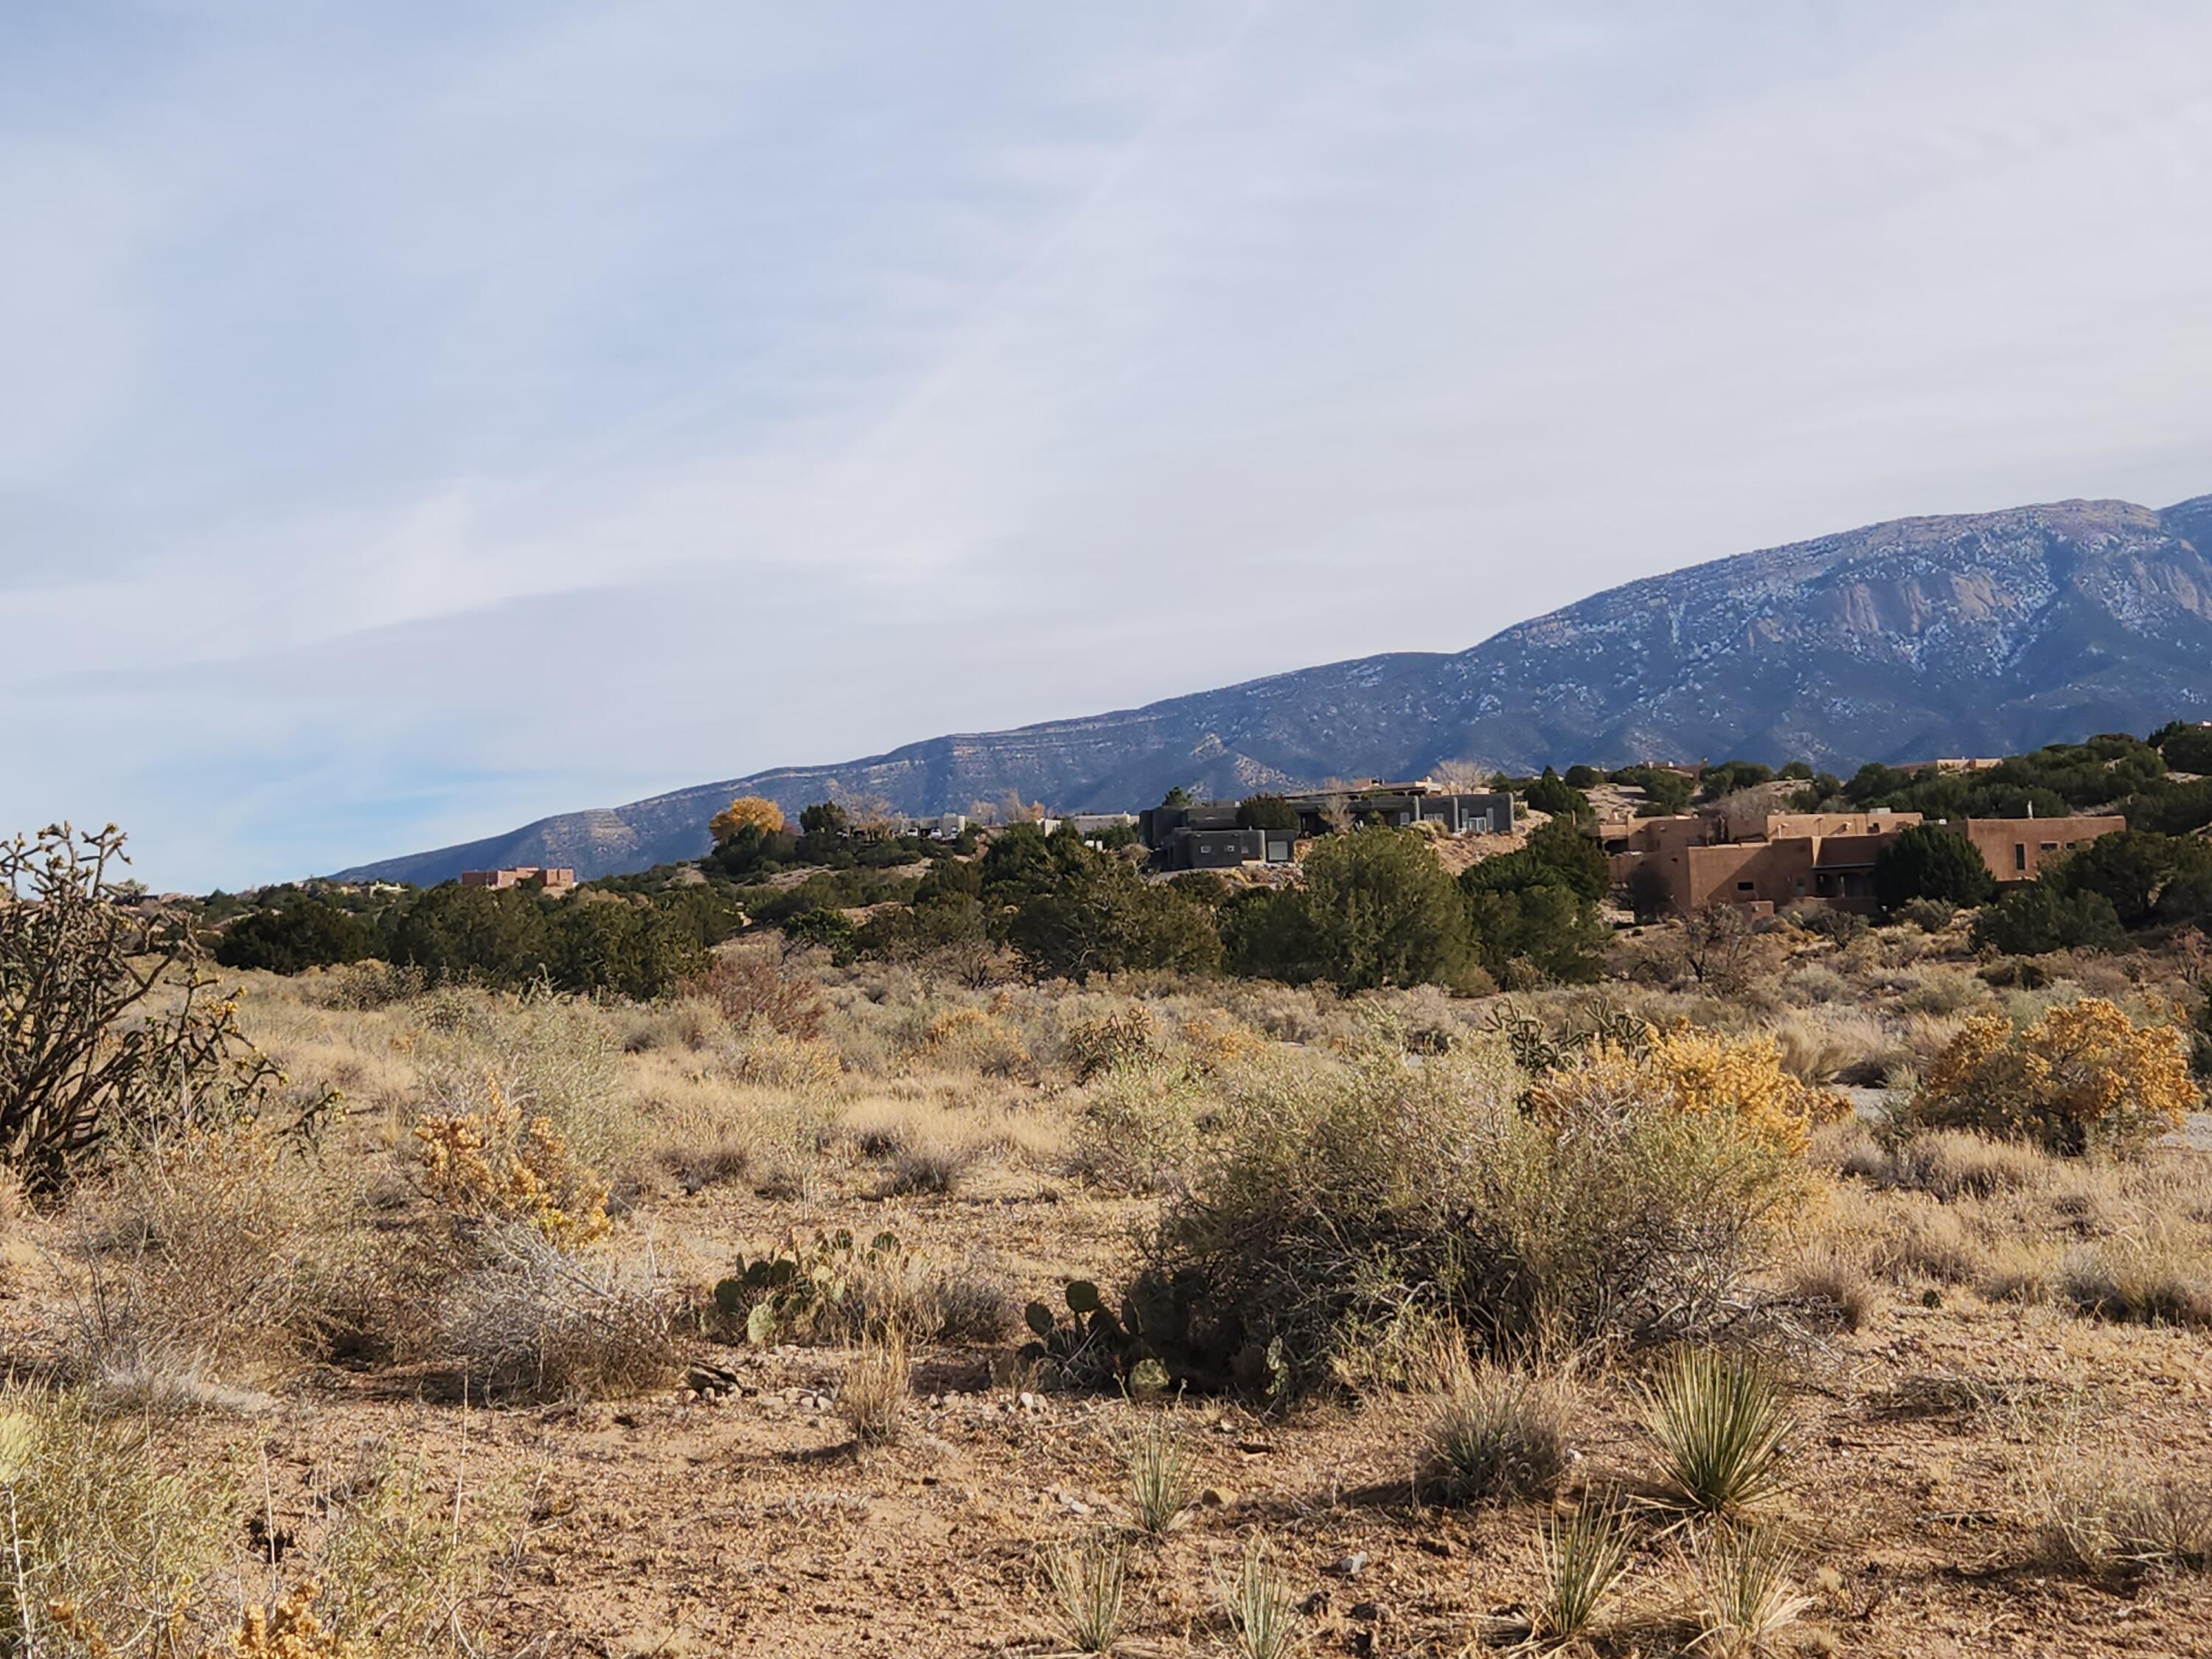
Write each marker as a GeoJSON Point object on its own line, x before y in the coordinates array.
{"type": "Point", "coordinates": [1983, 634]}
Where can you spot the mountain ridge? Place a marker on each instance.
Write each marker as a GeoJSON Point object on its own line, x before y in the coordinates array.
{"type": "Point", "coordinates": [1963, 634]}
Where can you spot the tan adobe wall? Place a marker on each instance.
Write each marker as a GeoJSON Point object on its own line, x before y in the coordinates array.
{"type": "Point", "coordinates": [2018, 849]}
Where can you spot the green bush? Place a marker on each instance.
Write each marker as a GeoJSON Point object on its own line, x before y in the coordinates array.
{"type": "Point", "coordinates": [304, 933]}
{"type": "Point", "coordinates": [1552, 793]}
{"type": "Point", "coordinates": [2186, 746]}
{"type": "Point", "coordinates": [1928, 861]}
{"type": "Point", "coordinates": [1377, 910]}
{"type": "Point", "coordinates": [2037, 919]}
{"type": "Point", "coordinates": [2138, 870]}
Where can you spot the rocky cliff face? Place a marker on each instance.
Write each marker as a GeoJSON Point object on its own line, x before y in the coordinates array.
{"type": "Point", "coordinates": [1980, 634]}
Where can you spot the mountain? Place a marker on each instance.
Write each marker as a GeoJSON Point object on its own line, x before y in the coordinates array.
{"type": "Point", "coordinates": [1982, 634]}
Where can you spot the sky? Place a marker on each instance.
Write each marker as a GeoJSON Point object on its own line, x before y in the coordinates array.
{"type": "Point", "coordinates": [418, 419]}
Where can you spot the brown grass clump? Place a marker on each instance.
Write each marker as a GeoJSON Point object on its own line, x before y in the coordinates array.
{"type": "Point", "coordinates": [2098, 1512]}
{"type": "Point", "coordinates": [1950, 1164]}
{"type": "Point", "coordinates": [2155, 1271]}
{"type": "Point", "coordinates": [873, 1398]}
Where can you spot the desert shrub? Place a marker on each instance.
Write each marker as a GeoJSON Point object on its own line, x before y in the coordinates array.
{"type": "Point", "coordinates": [216, 1254]}
{"type": "Point", "coordinates": [491, 1165]}
{"type": "Point", "coordinates": [1499, 1436]}
{"type": "Point", "coordinates": [535, 1321]}
{"type": "Point", "coordinates": [107, 1028]}
{"type": "Point", "coordinates": [2083, 1076]}
{"type": "Point", "coordinates": [748, 988]}
{"type": "Point", "coordinates": [107, 1543]}
{"type": "Point", "coordinates": [1930, 915]}
{"type": "Point", "coordinates": [1120, 1037]}
{"type": "Point", "coordinates": [1837, 926]}
{"type": "Point", "coordinates": [405, 1544]}
{"type": "Point", "coordinates": [975, 1039]}
{"type": "Point", "coordinates": [1348, 1206]}
{"type": "Point", "coordinates": [1143, 1128]}
{"type": "Point", "coordinates": [364, 986]}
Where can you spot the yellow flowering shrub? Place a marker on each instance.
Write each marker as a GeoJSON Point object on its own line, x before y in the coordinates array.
{"type": "Point", "coordinates": [491, 1163]}
{"type": "Point", "coordinates": [979, 1039]}
{"type": "Point", "coordinates": [1704, 1073]}
{"type": "Point", "coordinates": [1214, 1042]}
{"type": "Point", "coordinates": [287, 1629]}
{"type": "Point", "coordinates": [2084, 1075]}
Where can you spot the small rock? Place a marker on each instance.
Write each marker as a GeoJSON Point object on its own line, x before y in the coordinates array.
{"type": "Point", "coordinates": [1367, 1612]}
{"type": "Point", "coordinates": [1216, 1497]}
{"type": "Point", "coordinates": [1314, 1605]}
{"type": "Point", "coordinates": [1029, 1402]}
{"type": "Point", "coordinates": [1349, 1566]}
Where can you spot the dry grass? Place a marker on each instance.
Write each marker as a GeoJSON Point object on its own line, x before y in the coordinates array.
{"type": "Point", "coordinates": [1499, 1436]}
{"type": "Point", "coordinates": [2157, 1271]}
{"type": "Point", "coordinates": [873, 1398]}
{"type": "Point", "coordinates": [1741, 1592]}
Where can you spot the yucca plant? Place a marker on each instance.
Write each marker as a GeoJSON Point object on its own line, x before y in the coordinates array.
{"type": "Point", "coordinates": [1585, 1554]}
{"type": "Point", "coordinates": [1743, 1593]}
{"type": "Point", "coordinates": [1159, 1476]}
{"type": "Point", "coordinates": [1260, 1610]}
{"type": "Point", "coordinates": [1086, 1579]}
{"type": "Point", "coordinates": [1722, 1428]}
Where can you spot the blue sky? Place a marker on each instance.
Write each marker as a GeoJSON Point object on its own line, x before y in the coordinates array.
{"type": "Point", "coordinates": [417, 419]}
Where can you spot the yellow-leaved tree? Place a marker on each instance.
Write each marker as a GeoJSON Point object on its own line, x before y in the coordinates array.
{"type": "Point", "coordinates": [758, 811]}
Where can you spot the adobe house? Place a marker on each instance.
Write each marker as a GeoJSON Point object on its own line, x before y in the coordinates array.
{"type": "Point", "coordinates": [1207, 835]}
{"type": "Point", "coordinates": [2016, 849]}
{"type": "Point", "coordinates": [555, 880]}
{"type": "Point", "coordinates": [1816, 860]}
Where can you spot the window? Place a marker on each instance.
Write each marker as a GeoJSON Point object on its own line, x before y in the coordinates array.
{"type": "Point", "coordinates": [2020, 855]}
{"type": "Point", "coordinates": [2048, 847]}
{"type": "Point", "coordinates": [1745, 887]}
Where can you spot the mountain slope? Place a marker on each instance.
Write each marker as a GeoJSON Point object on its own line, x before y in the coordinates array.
{"type": "Point", "coordinates": [1980, 634]}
